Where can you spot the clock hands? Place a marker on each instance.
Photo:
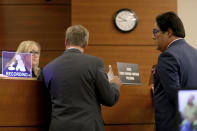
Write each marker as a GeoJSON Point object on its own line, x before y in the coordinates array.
{"type": "Point", "coordinates": [123, 19]}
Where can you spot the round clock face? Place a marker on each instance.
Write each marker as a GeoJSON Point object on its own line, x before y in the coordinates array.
{"type": "Point", "coordinates": [125, 20]}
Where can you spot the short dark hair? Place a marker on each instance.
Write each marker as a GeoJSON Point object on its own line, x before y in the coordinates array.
{"type": "Point", "coordinates": [171, 20]}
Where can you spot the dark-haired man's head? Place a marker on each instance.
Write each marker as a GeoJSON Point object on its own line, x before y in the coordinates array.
{"type": "Point", "coordinates": [168, 27]}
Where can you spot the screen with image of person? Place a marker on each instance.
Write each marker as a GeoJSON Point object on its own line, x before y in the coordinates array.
{"type": "Point", "coordinates": [187, 108]}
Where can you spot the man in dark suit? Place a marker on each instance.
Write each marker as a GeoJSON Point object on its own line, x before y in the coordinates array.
{"type": "Point", "coordinates": [78, 85]}
{"type": "Point", "coordinates": [176, 68]}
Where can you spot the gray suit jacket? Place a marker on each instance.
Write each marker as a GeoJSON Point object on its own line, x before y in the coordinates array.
{"type": "Point", "coordinates": [176, 69]}
{"type": "Point", "coordinates": [78, 86]}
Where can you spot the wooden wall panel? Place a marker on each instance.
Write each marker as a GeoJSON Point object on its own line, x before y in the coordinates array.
{"type": "Point", "coordinates": [40, 22]}
{"type": "Point", "coordinates": [45, 24]}
{"type": "Point", "coordinates": [35, 2]}
{"type": "Point", "coordinates": [130, 128]}
{"type": "Point", "coordinates": [21, 103]}
{"type": "Point", "coordinates": [135, 106]}
{"type": "Point", "coordinates": [97, 16]}
{"type": "Point", "coordinates": [21, 129]}
{"type": "Point", "coordinates": [48, 56]}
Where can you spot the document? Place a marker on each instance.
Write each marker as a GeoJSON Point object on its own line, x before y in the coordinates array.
{"type": "Point", "coordinates": [129, 73]}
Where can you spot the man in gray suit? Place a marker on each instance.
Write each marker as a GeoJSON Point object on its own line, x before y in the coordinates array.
{"type": "Point", "coordinates": [78, 85]}
{"type": "Point", "coordinates": [176, 68]}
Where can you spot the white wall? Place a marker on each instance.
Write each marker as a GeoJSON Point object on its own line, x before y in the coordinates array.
{"type": "Point", "coordinates": [187, 11]}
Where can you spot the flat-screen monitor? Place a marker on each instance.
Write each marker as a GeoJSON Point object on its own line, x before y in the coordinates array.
{"type": "Point", "coordinates": [187, 109]}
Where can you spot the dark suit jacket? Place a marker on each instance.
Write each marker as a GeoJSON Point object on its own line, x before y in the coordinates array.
{"type": "Point", "coordinates": [78, 86]}
{"type": "Point", "coordinates": [176, 69]}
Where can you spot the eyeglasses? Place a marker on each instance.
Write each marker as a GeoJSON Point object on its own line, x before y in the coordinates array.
{"type": "Point", "coordinates": [35, 52]}
{"type": "Point", "coordinates": [155, 32]}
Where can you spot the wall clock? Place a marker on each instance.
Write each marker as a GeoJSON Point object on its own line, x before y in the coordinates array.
{"type": "Point", "coordinates": [125, 20]}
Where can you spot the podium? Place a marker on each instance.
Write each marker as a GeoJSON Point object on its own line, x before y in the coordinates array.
{"type": "Point", "coordinates": [21, 105]}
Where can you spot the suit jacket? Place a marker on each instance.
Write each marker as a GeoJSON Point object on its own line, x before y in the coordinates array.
{"type": "Point", "coordinates": [78, 86]}
{"type": "Point", "coordinates": [176, 69]}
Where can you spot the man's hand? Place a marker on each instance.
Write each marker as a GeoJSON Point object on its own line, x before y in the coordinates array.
{"type": "Point", "coordinates": [116, 80]}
